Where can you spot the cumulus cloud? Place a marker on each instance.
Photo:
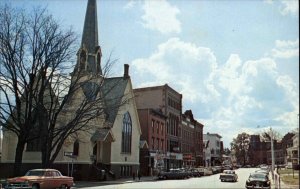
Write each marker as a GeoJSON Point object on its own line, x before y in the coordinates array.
{"type": "Point", "coordinates": [285, 49]}
{"type": "Point", "coordinates": [180, 64]}
{"type": "Point", "coordinates": [290, 7]}
{"type": "Point", "coordinates": [161, 16]}
{"type": "Point", "coordinates": [237, 93]}
{"type": "Point", "coordinates": [130, 4]}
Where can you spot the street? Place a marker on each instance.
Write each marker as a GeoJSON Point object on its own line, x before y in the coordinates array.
{"type": "Point", "coordinates": [202, 182]}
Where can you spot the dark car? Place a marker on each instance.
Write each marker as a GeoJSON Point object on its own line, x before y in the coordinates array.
{"type": "Point", "coordinates": [195, 173]}
{"type": "Point", "coordinates": [258, 180]}
{"type": "Point", "coordinates": [172, 174]}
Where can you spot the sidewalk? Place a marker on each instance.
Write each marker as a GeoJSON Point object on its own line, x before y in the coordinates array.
{"type": "Point", "coordinates": [81, 184]}
{"type": "Point", "coordinates": [282, 184]}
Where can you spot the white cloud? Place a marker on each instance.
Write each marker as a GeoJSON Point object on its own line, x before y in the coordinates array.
{"type": "Point", "coordinates": [286, 49]}
{"type": "Point", "coordinates": [161, 16]}
{"type": "Point", "coordinates": [237, 94]}
{"type": "Point", "coordinates": [130, 4]}
{"type": "Point", "coordinates": [290, 89]}
{"type": "Point", "coordinates": [179, 64]}
{"type": "Point", "coordinates": [290, 7]}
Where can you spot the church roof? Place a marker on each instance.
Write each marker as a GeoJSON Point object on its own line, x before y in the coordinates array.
{"type": "Point", "coordinates": [113, 90]}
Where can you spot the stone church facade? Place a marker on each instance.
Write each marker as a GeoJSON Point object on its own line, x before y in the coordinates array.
{"type": "Point", "coordinates": [112, 143]}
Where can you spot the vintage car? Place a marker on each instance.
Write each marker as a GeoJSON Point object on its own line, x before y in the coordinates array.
{"type": "Point", "coordinates": [228, 175]}
{"type": "Point", "coordinates": [258, 180]}
{"type": "Point", "coordinates": [205, 171]}
{"type": "Point", "coordinates": [40, 179]}
{"type": "Point", "coordinates": [173, 174]}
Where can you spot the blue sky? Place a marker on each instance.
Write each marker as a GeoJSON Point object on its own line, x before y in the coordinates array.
{"type": "Point", "coordinates": [236, 63]}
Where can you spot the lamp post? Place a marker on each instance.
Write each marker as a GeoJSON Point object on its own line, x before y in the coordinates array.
{"type": "Point", "coordinates": [272, 153]}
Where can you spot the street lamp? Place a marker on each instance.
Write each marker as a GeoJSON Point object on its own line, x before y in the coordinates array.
{"type": "Point", "coordinates": [272, 152]}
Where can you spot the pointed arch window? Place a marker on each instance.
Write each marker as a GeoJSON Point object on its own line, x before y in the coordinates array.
{"type": "Point", "coordinates": [126, 133]}
{"type": "Point", "coordinates": [82, 60]}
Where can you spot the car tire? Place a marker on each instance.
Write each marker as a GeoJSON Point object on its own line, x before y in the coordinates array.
{"type": "Point", "coordinates": [35, 186]}
{"type": "Point", "coordinates": [165, 177]}
{"type": "Point", "coordinates": [63, 186]}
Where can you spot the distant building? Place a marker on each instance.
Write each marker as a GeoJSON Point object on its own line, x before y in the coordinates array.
{"type": "Point", "coordinates": [293, 151]}
{"type": "Point", "coordinates": [191, 140]}
{"type": "Point", "coordinates": [278, 153]}
{"type": "Point", "coordinates": [169, 102]}
{"type": "Point", "coordinates": [213, 155]}
{"type": "Point", "coordinates": [260, 151]}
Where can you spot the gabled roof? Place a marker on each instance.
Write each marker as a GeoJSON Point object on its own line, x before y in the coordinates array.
{"type": "Point", "coordinates": [103, 134]}
{"type": "Point", "coordinates": [113, 90]}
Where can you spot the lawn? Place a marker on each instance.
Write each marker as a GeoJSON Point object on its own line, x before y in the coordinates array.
{"type": "Point", "coordinates": [287, 177]}
{"type": "Point", "coordinates": [287, 171]}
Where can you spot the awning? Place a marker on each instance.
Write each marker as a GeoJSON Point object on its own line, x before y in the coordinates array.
{"type": "Point", "coordinates": [103, 135]}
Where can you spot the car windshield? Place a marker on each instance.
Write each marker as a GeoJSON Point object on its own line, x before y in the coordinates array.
{"type": "Point", "coordinates": [35, 173]}
{"type": "Point", "coordinates": [261, 176]}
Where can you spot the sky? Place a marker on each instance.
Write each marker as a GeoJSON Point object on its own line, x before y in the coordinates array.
{"type": "Point", "coordinates": [236, 62]}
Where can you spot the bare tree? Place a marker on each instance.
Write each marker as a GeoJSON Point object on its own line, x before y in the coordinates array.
{"type": "Point", "coordinates": [33, 48]}
{"type": "Point", "coordinates": [41, 104]}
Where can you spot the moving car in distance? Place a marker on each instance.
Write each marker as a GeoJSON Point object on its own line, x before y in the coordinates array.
{"type": "Point", "coordinates": [228, 175]}
{"type": "Point", "coordinates": [258, 180]}
{"type": "Point", "coordinates": [40, 179]}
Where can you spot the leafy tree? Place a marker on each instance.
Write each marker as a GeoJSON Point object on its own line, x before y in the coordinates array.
{"type": "Point", "coordinates": [240, 146]}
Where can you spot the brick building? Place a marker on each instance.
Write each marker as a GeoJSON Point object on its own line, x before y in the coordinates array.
{"type": "Point", "coordinates": [153, 126]}
{"type": "Point", "coordinates": [191, 140]}
{"type": "Point", "coordinates": [169, 102]}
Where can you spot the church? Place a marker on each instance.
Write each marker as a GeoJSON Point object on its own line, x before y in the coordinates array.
{"type": "Point", "coordinates": [111, 147]}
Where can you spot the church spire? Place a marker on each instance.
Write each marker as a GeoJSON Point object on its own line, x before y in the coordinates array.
{"type": "Point", "coordinates": [89, 54]}
{"type": "Point", "coordinates": [90, 30]}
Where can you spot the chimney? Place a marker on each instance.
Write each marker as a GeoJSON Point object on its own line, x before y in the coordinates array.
{"type": "Point", "coordinates": [126, 70]}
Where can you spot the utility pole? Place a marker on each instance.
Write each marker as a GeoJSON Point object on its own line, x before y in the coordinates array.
{"type": "Point", "coordinates": [272, 153]}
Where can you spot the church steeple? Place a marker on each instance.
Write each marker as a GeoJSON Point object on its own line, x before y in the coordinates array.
{"type": "Point", "coordinates": [90, 29]}
{"type": "Point", "coordinates": [89, 54]}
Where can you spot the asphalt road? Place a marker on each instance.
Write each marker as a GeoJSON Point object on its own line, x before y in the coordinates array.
{"type": "Point", "coordinates": [202, 182]}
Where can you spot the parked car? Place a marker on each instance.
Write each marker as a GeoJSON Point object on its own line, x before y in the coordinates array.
{"type": "Point", "coordinates": [39, 179]}
{"type": "Point", "coordinates": [195, 173]}
{"type": "Point", "coordinates": [262, 171]}
{"type": "Point", "coordinates": [219, 169]}
{"type": "Point", "coordinates": [214, 170]}
{"type": "Point", "coordinates": [228, 175]}
{"type": "Point", "coordinates": [258, 180]}
{"type": "Point", "coordinates": [205, 171]}
{"type": "Point", "coordinates": [173, 174]}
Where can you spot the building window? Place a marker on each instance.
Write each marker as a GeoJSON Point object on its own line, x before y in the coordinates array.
{"type": "Point", "coordinates": [126, 133]}
{"type": "Point", "coordinates": [157, 141]}
{"type": "Point", "coordinates": [82, 60]}
{"type": "Point", "coordinates": [152, 125]}
{"type": "Point", "coordinates": [76, 148]}
{"type": "Point", "coordinates": [153, 143]}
